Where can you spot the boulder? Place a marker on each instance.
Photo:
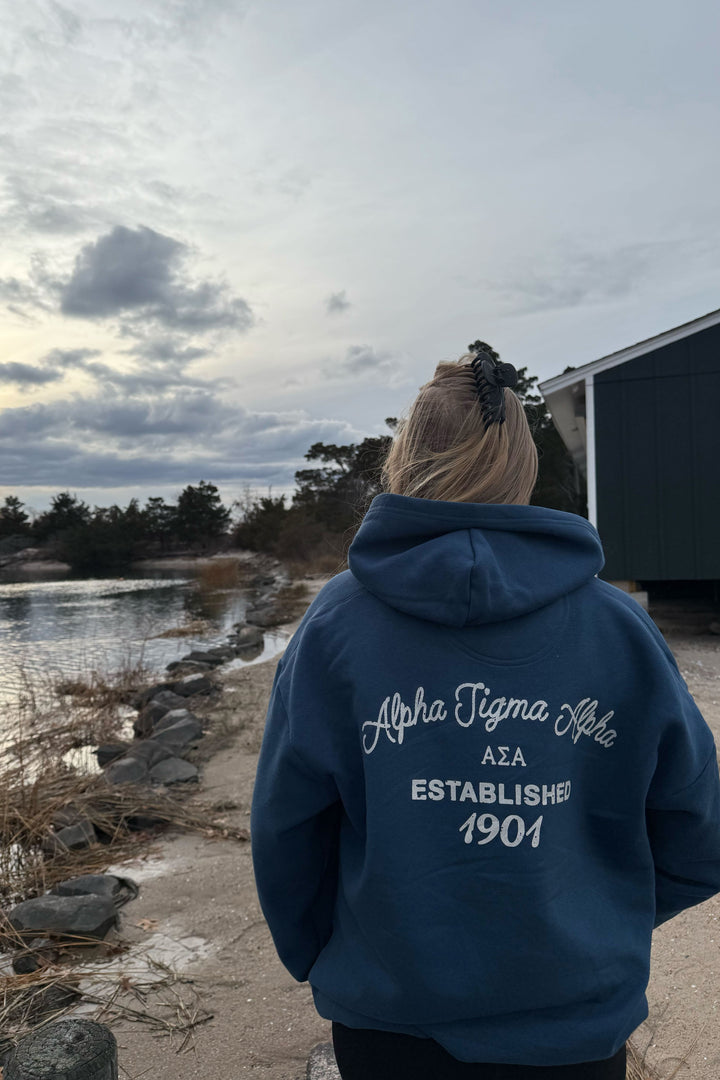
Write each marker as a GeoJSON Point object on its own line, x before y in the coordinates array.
{"type": "Point", "coordinates": [192, 684]}
{"type": "Point", "coordinates": [151, 713]}
{"type": "Point", "coordinates": [71, 838]}
{"type": "Point", "coordinates": [171, 718]}
{"type": "Point", "coordinates": [69, 814]}
{"type": "Point", "coordinates": [247, 639]}
{"type": "Point", "coordinates": [211, 656]}
{"type": "Point", "coordinates": [267, 617]}
{"type": "Point", "coordinates": [148, 750]}
{"type": "Point", "coordinates": [177, 736]}
{"type": "Point", "coordinates": [107, 752]}
{"type": "Point", "coordinates": [67, 916]}
{"type": "Point", "coordinates": [117, 889]}
{"type": "Point", "coordinates": [127, 770]}
{"type": "Point", "coordinates": [173, 770]}
{"type": "Point", "coordinates": [143, 822]}
{"type": "Point", "coordinates": [189, 666]}
{"type": "Point", "coordinates": [140, 700]}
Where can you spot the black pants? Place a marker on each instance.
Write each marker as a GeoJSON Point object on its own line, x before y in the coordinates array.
{"type": "Point", "coordinates": [365, 1054]}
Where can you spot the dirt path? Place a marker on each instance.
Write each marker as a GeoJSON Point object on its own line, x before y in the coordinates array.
{"type": "Point", "coordinates": [201, 893]}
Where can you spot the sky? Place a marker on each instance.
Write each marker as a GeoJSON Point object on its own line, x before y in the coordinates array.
{"type": "Point", "coordinates": [230, 229]}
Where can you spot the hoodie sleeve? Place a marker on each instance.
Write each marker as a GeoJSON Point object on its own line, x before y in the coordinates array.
{"type": "Point", "coordinates": [294, 828]}
{"type": "Point", "coordinates": [683, 812]}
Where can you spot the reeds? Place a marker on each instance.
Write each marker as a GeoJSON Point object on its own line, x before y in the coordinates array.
{"type": "Point", "coordinates": [220, 574]}
{"type": "Point", "coordinates": [27, 812]}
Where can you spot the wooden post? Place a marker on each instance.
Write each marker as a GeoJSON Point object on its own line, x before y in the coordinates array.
{"type": "Point", "coordinates": [65, 1050]}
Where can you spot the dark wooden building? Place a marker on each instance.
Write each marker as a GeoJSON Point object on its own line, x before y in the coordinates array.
{"type": "Point", "coordinates": [643, 425]}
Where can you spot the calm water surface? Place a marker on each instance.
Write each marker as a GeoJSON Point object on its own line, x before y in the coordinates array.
{"type": "Point", "coordinates": [72, 627]}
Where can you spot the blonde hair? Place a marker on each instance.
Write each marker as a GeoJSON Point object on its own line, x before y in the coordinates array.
{"type": "Point", "coordinates": [443, 450]}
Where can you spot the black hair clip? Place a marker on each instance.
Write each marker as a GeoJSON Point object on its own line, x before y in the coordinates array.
{"type": "Point", "coordinates": [490, 379]}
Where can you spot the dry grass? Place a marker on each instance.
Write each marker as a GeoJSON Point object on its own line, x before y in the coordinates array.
{"type": "Point", "coordinates": [319, 564]}
{"type": "Point", "coordinates": [146, 992]}
{"type": "Point", "coordinates": [53, 716]}
{"type": "Point", "coordinates": [27, 811]}
{"type": "Point", "coordinates": [637, 1067]}
{"type": "Point", "coordinates": [219, 574]}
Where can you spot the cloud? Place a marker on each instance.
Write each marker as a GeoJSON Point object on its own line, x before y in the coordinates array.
{"type": "Point", "coordinates": [69, 23]}
{"type": "Point", "coordinates": [111, 441]}
{"type": "Point", "coordinates": [337, 303]}
{"type": "Point", "coordinates": [26, 376]}
{"type": "Point", "coordinates": [363, 362]}
{"type": "Point", "coordinates": [69, 358]}
{"type": "Point", "coordinates": [163, 368]}
{"type": "Point", "coordinates": [567, 279]}
{"type": "Point", "coordinates": [139, 274]}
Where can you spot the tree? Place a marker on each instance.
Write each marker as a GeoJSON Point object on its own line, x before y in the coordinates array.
{"type": "Point", "coordinates": [159, 520]}
{"type": "Point", "coordinates": [201, 516]}
{"type": "Point", "coordinates": [560, 485]}
{"type": "Point", "coordinates": [337, 492]}
{"type": "Point", "coordinates": [14, 521]}
{"type": "Point", "coordinates": [66, 512]}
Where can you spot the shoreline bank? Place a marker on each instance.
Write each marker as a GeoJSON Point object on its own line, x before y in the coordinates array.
{"type": "Point", "coordinates": [198, 905]}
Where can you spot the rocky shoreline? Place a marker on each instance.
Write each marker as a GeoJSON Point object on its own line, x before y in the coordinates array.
{"type": "Point", "coordinates": [197, 905]}
{"type": "Point", "coordinates": [44, 935]}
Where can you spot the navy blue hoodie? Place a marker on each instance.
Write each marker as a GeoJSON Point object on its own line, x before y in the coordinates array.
{"type": "Point", "coordinates": [483, 781]}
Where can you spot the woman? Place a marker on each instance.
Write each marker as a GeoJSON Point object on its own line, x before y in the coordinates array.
{"type": "Point", "coordinates": [483, 780]}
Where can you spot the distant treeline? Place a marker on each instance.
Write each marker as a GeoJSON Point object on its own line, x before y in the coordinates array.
{"type": "Point", "coordinates": [313, 528]}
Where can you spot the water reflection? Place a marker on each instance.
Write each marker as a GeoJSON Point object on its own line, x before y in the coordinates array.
{"type": "Point", "coordinates": [71, 627]}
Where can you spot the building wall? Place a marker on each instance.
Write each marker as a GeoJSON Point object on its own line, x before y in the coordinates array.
{"type": "Point", "coordinates": [658, 462]}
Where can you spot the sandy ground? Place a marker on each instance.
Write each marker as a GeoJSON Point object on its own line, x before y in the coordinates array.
{"type": "Point", "coordinates": [202, 896]}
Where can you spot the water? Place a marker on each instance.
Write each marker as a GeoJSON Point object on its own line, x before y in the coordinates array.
{"type": "Point", "coordinates": [69, 628]}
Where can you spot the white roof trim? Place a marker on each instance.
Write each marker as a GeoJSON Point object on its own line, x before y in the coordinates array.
{"type": "Point", "coordinates": [560, 382]}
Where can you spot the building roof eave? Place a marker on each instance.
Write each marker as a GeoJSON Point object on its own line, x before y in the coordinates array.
{"type": "Point", "coordinates": [568, 378]}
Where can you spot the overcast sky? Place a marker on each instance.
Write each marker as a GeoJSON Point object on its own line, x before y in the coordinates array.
{"type": "Point", "coordinates": [231, 229]}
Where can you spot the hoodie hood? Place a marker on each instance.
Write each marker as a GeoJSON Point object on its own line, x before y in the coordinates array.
{"type": "Point", "coordinates": [466, 564]}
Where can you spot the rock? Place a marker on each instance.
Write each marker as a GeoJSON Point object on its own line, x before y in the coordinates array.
{"type": "Point", "coordinates": [70, 814]}
{"type": "Point", "coordinates": [264, 617]}
{"type": "Point", "coordinates": [71, 838]}
{"type": "Point", "coordinates": [148, 750]}
{"type": "Point", "coordinates": [714, 628]}
{"type": "Point", "coordinates": [127, 770]}
{"type": "Point", "coordinates": [192, 684]}
{"type": "Point", "coordinates": [140, 700]}
{"type": "Point", "coordinates": [67, 916]}
{"type": "Point", "coordinates": [155, 709]}
{"type": "Point", "coordinates": [52, 998]}
{"type": "Point", "coordinates": [171, 718]}
{"type": "Point", "coordinates": [107, 752]}
{"type": "Point", "coordinates": [211, 656]}
{"type": "Point", "coordinates": [321, 1063]}
{"type": "Point", "coordinates": [179, 735]}
{"type": "Point", "coordinates": [117, 889]}
{"type": "Point", "coordinates": [247, 636]}
{"type": "Point", "coordinates": [173, 770]}
{"type": "Point", "coordinates": [143, 822]}
{"type": "Point", "coordinates": [260, 581]}
{"type": "Point", "coordinates": [143, 749]}
{"type": "Point", "coordinates": [31, 959]}
{"type": "Point", "coordinates": [249, 652]}
{"type": "Point", "coordinates": [190, 666]}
